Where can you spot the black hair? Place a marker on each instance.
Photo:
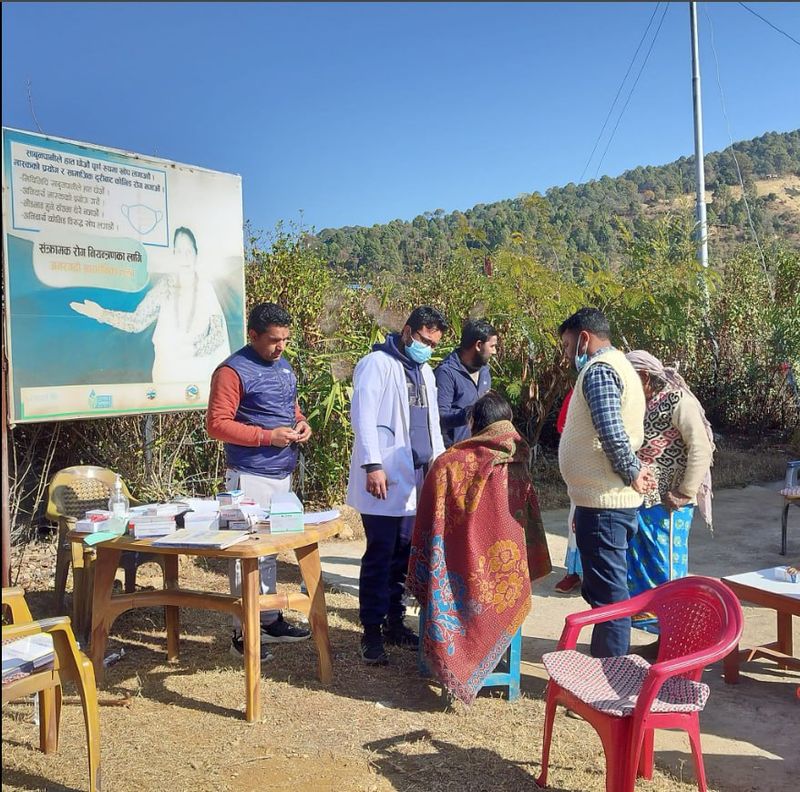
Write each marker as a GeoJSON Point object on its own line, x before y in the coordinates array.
{"type": "Point", "coordinates": [489, 408]}
{"type": "Point", "coordinates": [476, 330]}
{"type": "Point", "coordinates": [590, 320]}
{"type": "Point", "coordinates": [265, 314]}
{"type": "Point", "coordinates": [425, 316]}
{"type": "Point", "coordinates": [186, 232]}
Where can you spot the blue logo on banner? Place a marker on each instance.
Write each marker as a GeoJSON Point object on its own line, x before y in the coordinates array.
{"type": "Point", "coordinates": [100, 401]}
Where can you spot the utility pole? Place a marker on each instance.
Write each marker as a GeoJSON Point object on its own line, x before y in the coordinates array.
{"type": "Point", "coordinates": [701, 225]}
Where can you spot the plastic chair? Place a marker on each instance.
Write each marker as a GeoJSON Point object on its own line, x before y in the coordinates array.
{"type": "Point", "coordinates": [625, 698]}
{"type": "Point", "coordinates": [506, 674]}
{"type": "Point", "coordinates": [72, 492]}
{"type": "Point", "coordinates": [70, 664]}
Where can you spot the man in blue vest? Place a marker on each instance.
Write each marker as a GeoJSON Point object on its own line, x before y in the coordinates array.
{"type": "Point", "coordinates": [463, 377]}
{"type": "Point", "coordinates": [253, 410]}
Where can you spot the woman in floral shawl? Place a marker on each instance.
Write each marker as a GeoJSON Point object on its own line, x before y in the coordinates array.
{"type": "Point", "coordinates": [478, 543]}
{"type": "Point", "coordinates": [678, 447]}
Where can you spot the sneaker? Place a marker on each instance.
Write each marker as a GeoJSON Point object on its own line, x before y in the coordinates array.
{"type": "Point", "coordinates": [397, 634]}
{"type": "Point", "coordinates": [282, 631]}
{"type": "Point", "coordinates": [372, 651]}
{"type": "Point", "coordinates": [568, 583]}
{"type": "Point", "coordinates": [237, 648]}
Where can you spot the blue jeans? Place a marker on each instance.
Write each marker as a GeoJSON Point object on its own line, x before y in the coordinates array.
{"type": "Point", "coordinates": [381, 583]}
{"type": "Point", "coordinates": [603, 536]}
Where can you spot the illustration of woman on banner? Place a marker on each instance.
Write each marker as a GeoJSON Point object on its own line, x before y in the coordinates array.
{"type": "Point", "coordinates": [191, 335]}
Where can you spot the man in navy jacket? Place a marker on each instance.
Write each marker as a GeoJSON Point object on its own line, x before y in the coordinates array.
{"type": "Point", "coordinates": [463, 377]}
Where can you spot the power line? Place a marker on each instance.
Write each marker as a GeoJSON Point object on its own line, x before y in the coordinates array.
{"type": "Point", "coordinates": [774, 27]}
{"type": "Point", "coordinates": [736, 160]}
{"type": "Point", "coordinates": [619, 91]}
{"type": "Point", "coordinates": [633, 88]}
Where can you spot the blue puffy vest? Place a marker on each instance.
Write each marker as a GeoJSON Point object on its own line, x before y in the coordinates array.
{"type": "Point", "coordinates": [270, 394]}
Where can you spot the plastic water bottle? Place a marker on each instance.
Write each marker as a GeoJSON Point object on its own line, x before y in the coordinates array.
{"type": "Point", "coordinates": [118, 503]}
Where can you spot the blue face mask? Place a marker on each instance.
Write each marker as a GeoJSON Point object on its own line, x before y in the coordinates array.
{"type": "Point", "coordinates": [418, 352]}
{"type": "Point", "coordinates": [581, 360]}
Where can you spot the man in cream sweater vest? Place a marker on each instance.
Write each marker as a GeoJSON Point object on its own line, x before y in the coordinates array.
{"type": "Point", "coordinates": [597, 457]}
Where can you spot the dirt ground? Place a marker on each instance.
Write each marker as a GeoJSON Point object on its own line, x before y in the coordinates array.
{"type": "Point", "coordinates": [381, 729]}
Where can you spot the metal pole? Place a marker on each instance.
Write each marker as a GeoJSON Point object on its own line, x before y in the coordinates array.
{"type": "Point", "coordinates": [5, 496]}
{"type": "Point", "coordinates": [701, 227]}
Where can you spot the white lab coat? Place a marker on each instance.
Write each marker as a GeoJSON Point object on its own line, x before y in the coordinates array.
{"type": "Point", "coordinates": [380, 418]}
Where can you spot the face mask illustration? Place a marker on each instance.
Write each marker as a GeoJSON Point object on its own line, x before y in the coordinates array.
{"type": "Point", "coordinates": [143, 219]}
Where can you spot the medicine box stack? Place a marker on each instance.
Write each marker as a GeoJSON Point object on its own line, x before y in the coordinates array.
{"type": "Point", "coordinates": [94, 521]}
{"type": "Point", "coordinates": [204, 514]}
{"type": "Point", "coordinates": [285, 513]}
{"type": "Point", "coordinates": [207, 521]}
{"type": "Point", "coordinates": [154, 519]}
{"type": "Point", "coordinates": [241, 517]}
{"type": "Point", "coordinates": [146, 526]}
{"type": "Point", "coordinates": [232, 498]}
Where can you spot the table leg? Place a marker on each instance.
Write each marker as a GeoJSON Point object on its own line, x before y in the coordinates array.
{"type": "Point", "coordinates": [784, 526]}
{"type": "Point", "coordinates": [311, 570]}
{"type": "Point", "coordinates": [172, 612]}
{"type": "Point", "coordinates": [731, 666]}
{"type": "Point", "coordinates": [78, 588]}
{"type": "Point", "coordinates": [89, 555]}
{"type": "Point", "coordinates": [785, 634]}
{"type": "Point", "coordinates": [251, 635]}
{"type": "Point", "coordinates": [104, 572]}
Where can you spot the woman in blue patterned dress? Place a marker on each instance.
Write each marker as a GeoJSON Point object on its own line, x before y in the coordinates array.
{"type": "Point", "coordinates": [678, 447]}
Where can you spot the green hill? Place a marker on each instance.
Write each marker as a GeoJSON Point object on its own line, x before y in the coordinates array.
{"type": "Point", "coordinates": [580, 220]}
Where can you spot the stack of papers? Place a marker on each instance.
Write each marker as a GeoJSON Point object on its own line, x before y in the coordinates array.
{"type": "Point", "coordinates": [201, 537]}
{"type": "Point", "coordinates": [26, 655]}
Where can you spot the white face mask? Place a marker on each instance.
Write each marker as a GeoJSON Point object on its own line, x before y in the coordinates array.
{"type": "Point", "coordinates": [418, 352]}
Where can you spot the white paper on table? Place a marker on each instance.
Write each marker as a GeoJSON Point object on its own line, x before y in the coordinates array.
{"type": "Point", "coordinates": [202, 505]}
{"type": "Point", "coordinates": [314, 518]}
{"type": "Point", "coordinates": [771, 579]}
{"type": "Point", "coordinates": [27, 654]}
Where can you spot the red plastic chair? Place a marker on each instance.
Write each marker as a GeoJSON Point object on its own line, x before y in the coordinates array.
{"type": "Point", "coordinates": [625, 698]}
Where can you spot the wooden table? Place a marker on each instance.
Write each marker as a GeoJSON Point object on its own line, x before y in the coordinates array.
{"type": "Point", "coordinates": [761, 588]}
{"type": "Point", "coordinates": [106, 607]}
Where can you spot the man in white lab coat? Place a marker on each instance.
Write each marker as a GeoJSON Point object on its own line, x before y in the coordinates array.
{"type": "Point", "coordinates": [395, 420]}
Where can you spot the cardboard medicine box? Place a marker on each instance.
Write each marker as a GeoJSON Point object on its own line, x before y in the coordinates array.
{"type": "Point", "coordinates": [286, 513]}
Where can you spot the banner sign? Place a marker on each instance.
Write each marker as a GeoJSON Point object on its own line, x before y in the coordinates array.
{"type": "Point", "coordinates": [124, 279]}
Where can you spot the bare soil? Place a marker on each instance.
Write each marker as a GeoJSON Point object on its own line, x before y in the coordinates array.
{"type": "Point", "coordinates": [374, 729]}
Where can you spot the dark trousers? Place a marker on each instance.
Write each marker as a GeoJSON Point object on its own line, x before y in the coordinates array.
{"type": "Point", "coordinates": [381, 583]}
{"type": "Point", "coordinates": [602, 536]}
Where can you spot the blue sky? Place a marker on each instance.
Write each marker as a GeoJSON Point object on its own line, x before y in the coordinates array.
{"type": "Point", "coordinates": [361, 113]}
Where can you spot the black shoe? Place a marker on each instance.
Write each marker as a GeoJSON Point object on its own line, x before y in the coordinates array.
{"type": "Point", "coordinates": [282, 631]}
{"type": "Point", "coordinates": [237, 648]}
{"type": "Point", "coordinates": [395, 633]}
{"type": "Point", "coordinates": [372, 651]}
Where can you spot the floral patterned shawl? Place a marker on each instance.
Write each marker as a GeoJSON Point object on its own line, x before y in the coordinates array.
{"type": "Point", "coordinates": [478, 542]}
